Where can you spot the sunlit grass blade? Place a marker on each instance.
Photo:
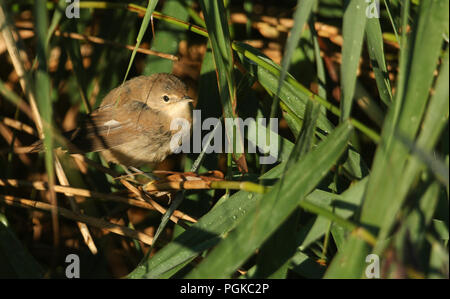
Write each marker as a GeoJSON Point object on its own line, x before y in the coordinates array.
{"type": "Point", "coordinates": [167, 38]}
{"type": "Point", "coordinates": [435, 119]}
{"type": "Point", "coordinates": [350, 200]}
{"type": "Point", "coordinates": [391, 19]}
{"type": "Point", "coordinates": [204, 234]}
{"type": "Point", "coordinates": [439, 259]}
{"type": "Point", "coordinates": [350, 262]}
{"type": "Point", "coordinates": [219, 35]}
{"type": "Point", "coordinates": [306, 266]}
{"type": "Point", "coordinates": [433, 162]}
{"type": "Point", "coordinates": [295, 97]}
{"type": "Point", "coordinates": [275, 253]}
{"type": "Point", "coordinates": [353, 34]}
{"type": "Point", "coordinates": [43, 91]}
{"type": "Point", "coordinates": [8, 94]}
{"type": "Point", "coordinates": [25, 79]}
{"type": "Point", "coordinates": [382, 204]}
{"type": "Point", "coordinates": [383, 198]}
{"type": "Point", "coordinates": [57, 16]}
{"type": "Point", "coordinates": [320, 68]}
{"type": "Point", "coordinates": [301, 16]}
{"type": "Point", "coordinates": [376, 53]}
{"type": "Point", "coordinates": [420, 218]}
{"type": "Point", "coordinates": [145, 22]}
{"type": "Point", "coordinates": [292, 96]}
{"type": "Point", "coordinates": [261, 221]}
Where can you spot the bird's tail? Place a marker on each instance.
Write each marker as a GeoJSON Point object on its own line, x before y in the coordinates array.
{"type": "Point", "coordinates": [38, 146]}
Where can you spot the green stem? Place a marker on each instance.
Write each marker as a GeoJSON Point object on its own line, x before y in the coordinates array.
{"type": "Point", "coordinates": [236, 185]}
{"type": "Point", "coordinates": [357, 230]}
{"type": "Point", "coordinates": [392, 22]}
{"type": "Point", "coordinates": [325, 242]}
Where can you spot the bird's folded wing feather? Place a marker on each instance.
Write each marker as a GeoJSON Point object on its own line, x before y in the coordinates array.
{"type": "Point", "coordinates": [104, 129]}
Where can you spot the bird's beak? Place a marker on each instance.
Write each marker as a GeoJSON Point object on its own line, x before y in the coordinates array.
{"type": "Point", "coordinates": [187, 99]}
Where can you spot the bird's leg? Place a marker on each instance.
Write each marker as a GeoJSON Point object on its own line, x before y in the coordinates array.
{"type": "Point", "coordinates": [129, 173]}
{"type": "Point", "coordinates": [148, 175]}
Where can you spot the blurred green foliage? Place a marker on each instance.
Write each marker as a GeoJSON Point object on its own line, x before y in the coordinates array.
{"type": "Point", "coordinates": [357, 174]}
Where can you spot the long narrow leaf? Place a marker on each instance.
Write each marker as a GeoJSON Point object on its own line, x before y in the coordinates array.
{"type": "Point", "coordinates": [265, 218]}
{"type": "Point", "coordinates": [219, 35]}
{"type": "Point", "coordinates": [301, 16]}
{"type": "Point", "coordinates": [144, 25]}
{"type": "Point", "coordinates": [376, 52]}
{"type": "Point", "coordinates": [353, 34]}
{"type": "Point", "coordinates": [278, 249]}
{"type": "Point", "coordinates": [381, 204]}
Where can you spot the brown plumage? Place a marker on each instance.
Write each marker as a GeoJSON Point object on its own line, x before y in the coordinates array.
{"type": "Point", "coordinates": [132, 124]}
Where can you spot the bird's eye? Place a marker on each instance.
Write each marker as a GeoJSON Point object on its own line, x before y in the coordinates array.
{"type": "Point", "coordinates": [166, 98]}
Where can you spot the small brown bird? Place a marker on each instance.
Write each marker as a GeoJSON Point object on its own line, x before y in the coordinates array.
{"type": "Point", "coordinates": [132, 126]}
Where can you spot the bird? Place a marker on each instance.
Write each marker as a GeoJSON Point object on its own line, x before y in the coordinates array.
{"type": "Point", "coordinates": [132, 125]}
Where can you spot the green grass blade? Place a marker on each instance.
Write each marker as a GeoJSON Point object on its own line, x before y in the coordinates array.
{"type": "Point", "coordinates": [42, 89]}
{"type": "Point", "coordinates": [219, 35]}
{"type": "Point", "coordinates": [15, 260]}
{"type": "Point", "coordinates": [42, 85]}
{"type": "Point", "coordinates": [320, 68]}
{"type": "Point", "coordinates": [204, 234]}
{"type": "Point", "coordinates": [274, 257]}
{"type": "Point", "coordinates": [441, 229]}
{"type": "Point", "coordinates": [344, 205]}
{"type": "Point", "coordinates": [293, 97]}
{"type": "Point", "coordinates": [382, 199]}
{"type": "Point", "coordinates": [376, 53]}
{"type": "Point", "coordinates": [353, 34]}
{"type": "Point", "coordinates": [57, 16]}
{"type": "Point", "coordinates": [439, 260]}
{"type": "Point", "coordinates": [306, 266]}
{"type": "Point", "coordinates": [166, 39]}
{"type": "Point", "coordinates": [273, 260]}
{"type": "Point", "coordinates": [350, 262]}
{"type": "Point", "coordinates": [433, 162]}
{"type": "Point", "coordinates": [382, 204]}
{"type": "Point", "coordinates": [261, 221]}
{"type": "Point", "coordinates": [306, 139]}
{"type": "Point", "coordinates": [436, 118]}
{"type": "Point", "coordinates": [144, 25]}
{"type": "Point", "coordinates": [391, 19]}
{"type": "Point", "coordinates": [420, 218]}
{"type": "Point", "coordinates": [8, 94]}
{"type": "Point", "coordinates": [301, 15]}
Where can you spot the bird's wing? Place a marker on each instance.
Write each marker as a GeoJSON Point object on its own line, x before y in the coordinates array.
{"type": "Point", "coordinates": [106, 128]}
